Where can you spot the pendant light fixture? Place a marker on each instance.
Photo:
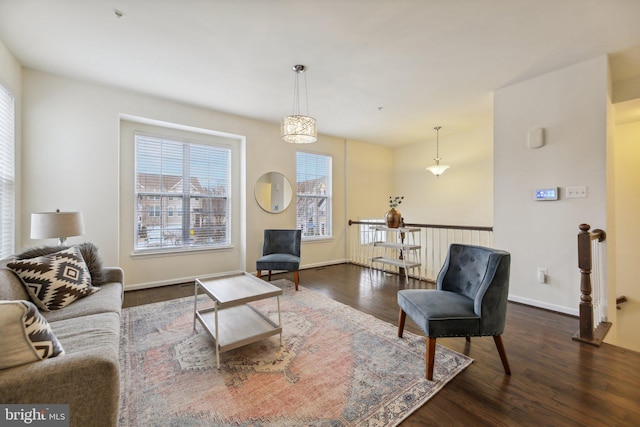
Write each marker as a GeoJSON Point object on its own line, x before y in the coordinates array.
{"type": "Point", "coordinates": [297, 128]}
{"type": "Point", "coordinates": [437, 169]}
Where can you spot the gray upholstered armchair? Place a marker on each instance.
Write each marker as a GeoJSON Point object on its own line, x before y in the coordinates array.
{"type": "Point", "coordinates": [280, 251]}
{"type": "Point", "coordinates": [470, 299]}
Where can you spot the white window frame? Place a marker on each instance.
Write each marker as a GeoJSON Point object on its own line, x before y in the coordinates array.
{"type": "Point", "coordinates": [7, 173]}
{"type": "Point", "coordinates": [314, 202]}
{"type": "Point", "coordinates": [201, 229]}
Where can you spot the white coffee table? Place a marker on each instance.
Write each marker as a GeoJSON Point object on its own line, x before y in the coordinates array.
{"type": "Point", "coordinates": [231, 322]}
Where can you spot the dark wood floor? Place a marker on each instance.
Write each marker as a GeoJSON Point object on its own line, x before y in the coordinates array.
{"type": "Point", "coordinates": [555, 381]}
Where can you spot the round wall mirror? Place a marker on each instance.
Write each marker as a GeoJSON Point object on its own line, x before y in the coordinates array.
{"type": "Point", "coordinates": [273, 192]}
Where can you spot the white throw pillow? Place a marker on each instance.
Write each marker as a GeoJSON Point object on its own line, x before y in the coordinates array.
{"type": "Point", "coordinates": [25, 335]}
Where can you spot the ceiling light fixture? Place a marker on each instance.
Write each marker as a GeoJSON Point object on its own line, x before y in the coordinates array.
{"type": "Point", "coordinates": [297, 128]}
{"type": "Point", "coordinates": [437, 169]}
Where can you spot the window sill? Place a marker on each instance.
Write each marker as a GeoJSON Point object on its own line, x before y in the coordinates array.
{"type": "Point", "coordinates": [173, 252]}
{"type": "Point", "coordinates": [317, 239]}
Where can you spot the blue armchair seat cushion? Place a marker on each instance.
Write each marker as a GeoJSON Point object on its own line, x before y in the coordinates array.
{"type": "Point", "coordinates": [278, 262]}
{"type": "Point", "coordinates": [440, 313]}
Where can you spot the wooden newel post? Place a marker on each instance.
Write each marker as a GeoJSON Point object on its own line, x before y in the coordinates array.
{"type": "Point", "coordinates": [589, 332]}
{"type": "Point", "coordinates": [584, 264]}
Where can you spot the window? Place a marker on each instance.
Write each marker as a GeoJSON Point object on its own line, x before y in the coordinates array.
{"type": "Point", "coordinates": [183, 177]}
{"type": "Point", "coordinates": [313, 195]}
{"type": "Point", "coordinates": [7, 173]}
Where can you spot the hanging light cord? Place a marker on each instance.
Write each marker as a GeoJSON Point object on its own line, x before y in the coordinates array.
{"type": "Point", "coordinates": [437, 128]}
{"type": "Point", "coordinates": [296, 98]}
{"type": "Point", "coordinates": [299, 69]}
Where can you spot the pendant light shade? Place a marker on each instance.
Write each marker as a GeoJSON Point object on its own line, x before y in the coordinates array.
{"type": "Point", "coordinates": [437, 169]}
{"type": "Point", "coordinates": [298, 128]}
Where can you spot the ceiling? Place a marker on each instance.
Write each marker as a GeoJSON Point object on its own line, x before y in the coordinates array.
{"type": "Point", "coordinates": [379, 71]}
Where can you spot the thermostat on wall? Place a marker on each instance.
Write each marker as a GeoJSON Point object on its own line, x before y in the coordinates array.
{"type": "Point", "coordinates": [547, 194]}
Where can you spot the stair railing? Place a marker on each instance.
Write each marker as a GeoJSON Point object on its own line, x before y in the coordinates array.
{"type": "Point", "coordinates": [592, 309]}
{"type": "Point", "coordinates": [434, 239]}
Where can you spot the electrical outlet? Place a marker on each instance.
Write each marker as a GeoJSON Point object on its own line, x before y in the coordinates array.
{"type": "Point", "coordinates": [578, 192]}
{"type": "Point", "coordinates": [541, 274]}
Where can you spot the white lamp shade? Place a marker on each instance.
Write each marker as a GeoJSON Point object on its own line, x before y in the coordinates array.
{"type": "Point", "coordinates": [48, 225]}
{"type": "Point", "coordinates": [437, 169]}
{"type": "Point", "coordinates": [299, 129]}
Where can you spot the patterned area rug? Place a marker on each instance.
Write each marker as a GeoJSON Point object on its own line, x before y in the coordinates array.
{"type": "Point", "coordinates": [337, 367]}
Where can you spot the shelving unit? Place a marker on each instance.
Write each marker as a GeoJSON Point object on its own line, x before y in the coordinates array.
{"type": "Point", "coordinates": [398, 247]}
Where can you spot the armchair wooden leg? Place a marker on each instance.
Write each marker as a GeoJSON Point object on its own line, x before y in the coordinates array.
{"type": "Point", "coordinates": [503, 354]}
{"type": "Point", "coordinates": [431, 356]}
{"type": "Point", "coordinates": [269, 275]}
{"type": "Point", "coordinates": [259, 275]}
{"type": "Point", "coordinates": [296, 278]}
{"type": "Point", "coordinates": [401, 318]}
{"type": "Point", "coordinates": [468, 338]}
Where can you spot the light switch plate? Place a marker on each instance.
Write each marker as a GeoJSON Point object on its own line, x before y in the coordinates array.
{"type": "Point", "coordinates": [577, 192]}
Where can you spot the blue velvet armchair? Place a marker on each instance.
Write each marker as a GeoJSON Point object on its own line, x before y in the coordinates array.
{"type": "Point", "coordinates": [470, 299]}
{"type": "Point", "coordinates": [280, 251]}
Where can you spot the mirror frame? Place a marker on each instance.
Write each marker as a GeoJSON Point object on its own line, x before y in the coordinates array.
{"type": "Point", "coordinates": [273, 192]}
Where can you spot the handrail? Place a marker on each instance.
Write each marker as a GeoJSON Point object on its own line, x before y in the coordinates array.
{"type": "Point", "coordinates": [440, 226]}
{"type": "Point", "coordinates": [587, 332]}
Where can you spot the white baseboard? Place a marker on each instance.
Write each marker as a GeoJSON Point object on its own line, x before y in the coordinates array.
{"type": "Point", "coordinates": [545, 305]}
{"type": "Point", "coordinates": [149, 285]}
{"type": "Point", "coordinates": [157, 284]}
{"type": "Point", "coordinates": [324, 264]}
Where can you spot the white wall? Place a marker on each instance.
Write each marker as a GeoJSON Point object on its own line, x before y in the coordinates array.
{"type": "Point", "coordinates": [369, 180]}
{"type": "Point", "coordinates": [626, 208]}
{"type": "Point", "coordinates": [462, 195]}
{"type": "Point", "coordinates": [71, 161]}
{"type": "Point", "coordinates": [570, 104]}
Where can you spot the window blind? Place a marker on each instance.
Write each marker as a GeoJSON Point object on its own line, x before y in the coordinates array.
{"type": "Point", "coordinates": [313, 195]}
{"type": "Point", "coordinates": [7, 173]}
{"type": "Point", "coordinates": [182, 194]}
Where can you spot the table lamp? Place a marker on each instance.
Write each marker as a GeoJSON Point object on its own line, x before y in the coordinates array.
{"type": "Point", "coordinates": [60, 225]}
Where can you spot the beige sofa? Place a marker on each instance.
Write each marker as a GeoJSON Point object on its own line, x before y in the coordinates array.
{"type": "Point", "coordinates": [87, 375]}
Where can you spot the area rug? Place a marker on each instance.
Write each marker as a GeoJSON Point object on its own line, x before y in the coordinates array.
{"type": "Point", "coordinates": [337, 366]}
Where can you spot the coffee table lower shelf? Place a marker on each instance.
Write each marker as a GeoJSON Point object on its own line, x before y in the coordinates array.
{"type": "Point", "coordinates": [236, 326]}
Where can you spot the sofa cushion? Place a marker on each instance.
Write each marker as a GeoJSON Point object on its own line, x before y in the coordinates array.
{"type": "Point", "coordinates": [89, 253]}
{"type": "Point", "coordinates": [25, 335]}
{"type": "Point", "coordinates": [108, 300]}
{"type": "Point", "coordinates": [56, 280]}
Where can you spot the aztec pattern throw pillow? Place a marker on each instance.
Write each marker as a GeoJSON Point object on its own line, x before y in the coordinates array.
{"type": "Point", "coordinates": [89, 253]}
{"type": "Point", "coordinates": [56, 280]}
{"type": "Point", "coordinates": [26, 335]}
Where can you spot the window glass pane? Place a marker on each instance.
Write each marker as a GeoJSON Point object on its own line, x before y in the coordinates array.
{"type": "Point", "coordinates": [175, 177]}
{"type": "Point", "coordinates": [313, 195]}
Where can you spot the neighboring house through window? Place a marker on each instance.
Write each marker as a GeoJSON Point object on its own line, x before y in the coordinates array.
{"type": "Point", "coordinates": [7, 173]}
{"type": "Point", "coordinates": [183, 177]}
{"type": "Point", "coordinates": [313, 195]}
